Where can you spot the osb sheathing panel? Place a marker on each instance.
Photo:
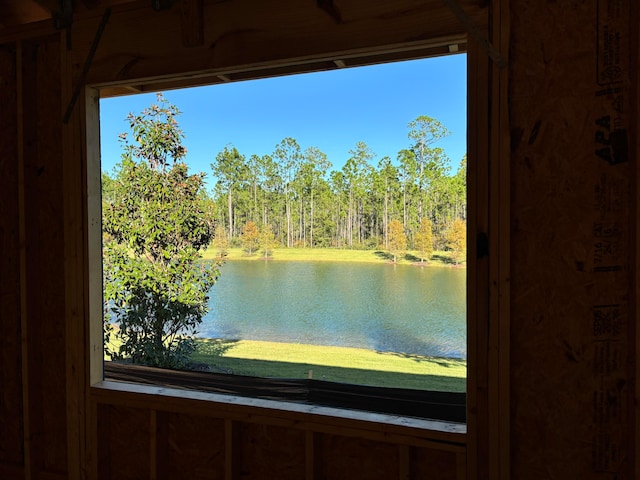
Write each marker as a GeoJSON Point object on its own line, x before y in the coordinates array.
{"type": "Point", "coordinates": [268, 452]}
{"type": "Point", "coordinates": [11, 432]}
{"type": "Point", "coordinates": [190, 447]}
{"type": "Point", "coordinates": [124, 443]}
{"type": "Point", "coordinates": [43, 215]}
{"type": "Point", "coordinates": [571, 343]}
{"type": "Point", "coordinates": [340, 457]}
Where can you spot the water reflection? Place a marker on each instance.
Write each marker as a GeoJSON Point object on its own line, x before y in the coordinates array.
{"type": "Point", "coordinates": [402, 309]}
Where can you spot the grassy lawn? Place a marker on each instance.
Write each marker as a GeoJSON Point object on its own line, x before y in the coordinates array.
{"type": "Point", "coordinates": [330, 255]}
{"type": "Point", "coordinates": [336, 364]}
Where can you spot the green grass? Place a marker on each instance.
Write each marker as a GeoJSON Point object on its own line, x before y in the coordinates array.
{"type": "Point", "coordinates": [336, 364]}
{"type": "Point", "coordinates": [330, 255]}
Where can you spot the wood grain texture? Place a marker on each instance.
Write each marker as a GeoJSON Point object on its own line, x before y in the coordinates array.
{"type": "Point", "coordinates": [267, 452]}
{"type": "Point", "coordinates": [478, 223]}
{"type": "Point", "coordinates": [11, 412]}
{"type": "Point", "coordinates": [252, 34]}
{"type": "Point", "coordinates": [190, 447]}
{"type": "Point", "coordinates": [123, 443]}
{"type": "Point", "coordinates": [141, 435]}
{"type": "Point", "coordinates": [634, 436]}
{"type": "Point", "coordinates": [433, 464]}
{"type": "Point", "coordinates": [345, 457]}
{"type": "Point", "coordinates": [44, 227]}
{"type": "Point", "coordinates": [570, 332]}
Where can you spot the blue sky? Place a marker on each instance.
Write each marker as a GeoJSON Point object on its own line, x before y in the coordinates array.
{"type": "Point", "coordinates": [329, 110]}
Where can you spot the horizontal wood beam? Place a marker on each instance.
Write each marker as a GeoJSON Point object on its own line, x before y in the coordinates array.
{"type": "Point", "coordinates": [294, 68]}
{"type": "Point", "coordinates": [142, 46]}
{"type": "Point", "coordinates": [380, 427]}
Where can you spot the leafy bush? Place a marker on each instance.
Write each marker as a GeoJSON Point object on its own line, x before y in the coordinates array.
{"type": "Point", "coordinates": [155, 222]}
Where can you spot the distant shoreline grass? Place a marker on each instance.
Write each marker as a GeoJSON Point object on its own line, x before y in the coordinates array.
{"type": "Point", "coordinates": [336, 364]}
{"type": "Point", "coordinates": [438, 259]}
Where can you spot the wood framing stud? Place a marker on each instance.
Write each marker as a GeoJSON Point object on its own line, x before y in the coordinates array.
{"type": "Point", "coordinates": [473, 30]}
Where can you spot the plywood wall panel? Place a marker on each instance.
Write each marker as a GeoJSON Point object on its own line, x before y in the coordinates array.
{"type": "Point", "coordinates": [433, 464]}
{"type": "Point", "coordinates": [11, 428]}
{"type": "Point", "coordinates": [341, 457]}
{"type": "Point", "coordinates": [268, 452]}
{"type": "Point", "coordinates": [45, 310]}
{"type": "Point", "coordinates": [124, 443]}
{"type": "Point", "coordinates": [572, 177]}
{"type": "Point", "coordinates": [190, 447]}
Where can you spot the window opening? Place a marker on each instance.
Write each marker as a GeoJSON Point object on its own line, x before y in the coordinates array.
{"type": "Point", "coordinates": [331, 209]}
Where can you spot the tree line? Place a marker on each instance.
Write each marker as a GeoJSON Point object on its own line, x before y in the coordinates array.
{"type": "Point", "coordinates": [293, 198]}
{"type": "Point", "coordinates": [305, 203]}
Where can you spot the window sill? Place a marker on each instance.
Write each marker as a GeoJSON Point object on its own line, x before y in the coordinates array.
{"type": "Point", "coordinates": [309, 417]}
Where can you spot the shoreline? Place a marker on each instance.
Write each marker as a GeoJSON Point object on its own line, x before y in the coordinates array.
{"type": "Point", "coordinates": [439, 259]}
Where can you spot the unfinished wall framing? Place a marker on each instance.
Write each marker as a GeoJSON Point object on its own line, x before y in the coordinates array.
{"type": "Point", "coordinates": [553, 359]}
{"type": "Point", "coordinates": [317, 451]}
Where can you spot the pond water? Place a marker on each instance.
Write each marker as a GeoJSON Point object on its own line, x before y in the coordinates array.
{"type": "Point", "coordinates": [392, 308]}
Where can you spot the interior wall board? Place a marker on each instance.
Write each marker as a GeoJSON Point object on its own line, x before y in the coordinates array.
{"type": "Point", "coordinates": [572, 349]}
{"type": "Point", "coordinates": [124, 443]}
{"type": "Point", "coordinates": [11, 427]}
{"type": "Point", "coordinates": [44, 259]}
{"type": "Point", "coordinates": [268, 452]}
{"type": "Point", "coordinates": [190, 446]}
{"type": "Point", "coordinates": [346, 457]}
{"type": "Point", "coordinates": [433, 464]}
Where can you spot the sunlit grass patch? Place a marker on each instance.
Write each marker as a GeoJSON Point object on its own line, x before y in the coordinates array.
{"type": "Point", "coordinates": [338, 364]}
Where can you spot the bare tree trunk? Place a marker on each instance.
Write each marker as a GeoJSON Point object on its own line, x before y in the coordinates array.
{"type": "Point", "coordinates": [311, 228]}
{"type": "Point", "coordinates": [230, 207]}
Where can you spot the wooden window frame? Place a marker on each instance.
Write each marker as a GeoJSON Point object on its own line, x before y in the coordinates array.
{"type": "Point", "coordinates": [450, 414]}
{"type": "Point", "coordinates": [486, 432]}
